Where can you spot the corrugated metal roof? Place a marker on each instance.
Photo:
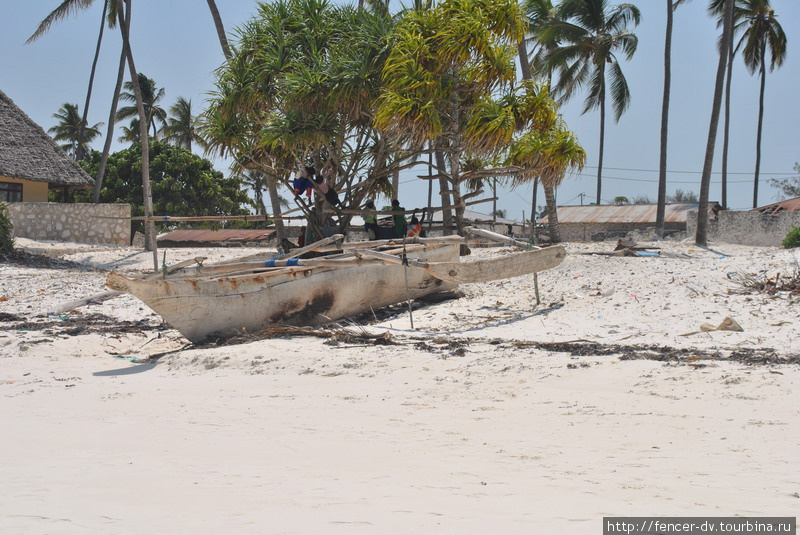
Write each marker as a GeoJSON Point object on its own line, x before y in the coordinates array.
{"type": "Point", "coordinates": [624, 213]}
{"type": "Point", "coordinates": [789, 205]}
{"type": "Point", "coordinates": [200, 235]}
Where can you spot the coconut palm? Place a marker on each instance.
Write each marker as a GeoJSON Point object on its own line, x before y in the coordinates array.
{"type": "Point", "coordinates": [590, 36]}
{"type": "Point", "coordinates": [762, 36]}
{"type": "Point", "coordinates": [65, 9]}
{"type": "Point", "coordinates": [182, 126]}
{"type": "Point", "coordinates": [539, 14]}
{"type": "Point", "coordinates": [130, 134]}
{"type": "Point", "coordinates": [73, 131]}
{"type": "Point", "coordinates": [701, 235]}
{"type": "Point", "coordinates": [151, 96]}
{"type": "Point", "coordinates": [124, 26]}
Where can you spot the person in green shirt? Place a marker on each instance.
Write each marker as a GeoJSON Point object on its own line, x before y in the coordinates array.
{"type": "Point", "coordinates": [370, 221]}
{"type": "Point", "coordinates": [400, 225]}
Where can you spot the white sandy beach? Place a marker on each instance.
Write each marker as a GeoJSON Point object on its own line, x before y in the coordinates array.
{"type": "Point", "coordinates": [459, 427]}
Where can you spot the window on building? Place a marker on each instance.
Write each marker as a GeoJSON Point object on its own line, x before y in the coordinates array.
{"type": "Point", "coordinates": [10, 192]}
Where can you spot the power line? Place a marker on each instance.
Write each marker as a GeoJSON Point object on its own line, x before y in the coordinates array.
{"type": "Point", "coordinates": [656, 181]}
{"type": "Point", "coordinates": [684, 172]}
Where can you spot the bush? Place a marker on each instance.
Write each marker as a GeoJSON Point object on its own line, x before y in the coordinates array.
{"type": "Point", "coordinates": [792, 239]}
{"type": "Point", "coordinates": [6, 241]}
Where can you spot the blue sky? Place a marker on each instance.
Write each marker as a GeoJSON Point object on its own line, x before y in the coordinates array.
{"type": "Point", "coordinates": [175, 43]}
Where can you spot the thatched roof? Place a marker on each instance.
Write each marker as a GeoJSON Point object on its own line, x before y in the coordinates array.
{"type": "Point", "coordinates": [27, 152]}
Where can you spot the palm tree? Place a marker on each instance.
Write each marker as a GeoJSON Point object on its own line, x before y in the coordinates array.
{"type": "Point", "coordinates": [223, 40]}
{"type": "Point", "coordinates": [151, 96]}
{"type": "Point", "coordinates": [701, 236]}
{"type": "Point", "coordinates": [540, 14]}
{"type": "Point", "coordinates": [182, 126]}
{"type": "Point", "coordinates": [591, 36]}
{"type": "Point", "coordinates": [150, 231]}
{"type": "Point", "coordinates": [66, 8]}
{"type": "Point", "coordinates": [130, 133]}
{"type": "Point", "coordinates": [662, 163]}
{"type": "Point", "coordinates": [71, 129]}
{"type": "Point", "coordinates": [762, 35]}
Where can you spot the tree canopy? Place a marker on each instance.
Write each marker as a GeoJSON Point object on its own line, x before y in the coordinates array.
{"type": "Point", "coordinates": [183, 183]}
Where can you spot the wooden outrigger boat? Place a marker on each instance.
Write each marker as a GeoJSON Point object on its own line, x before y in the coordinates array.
{"type": "Point", "coordinates": [225, 299]}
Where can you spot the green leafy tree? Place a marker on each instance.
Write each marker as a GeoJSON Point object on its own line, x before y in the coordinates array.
{"type": "Point", "coordinates": [450, 80]}
{"type": "Point", "coordinates": [73, 134]}
{"type": "Point", "coordinates": [682, 196]}
{"type": "Point", "coordinates": [184, 184]}
{"type": "Point", "coordinates": [300, 89]}
{"type": "Point", "coordinates": [620, 199]}
{"type": "Point", "coordinates": [6, 228]}
{"type": "Point", "coordinates": [762, 36]}
{"type": "Point", "coordinates": [589, 37]}
{"type": "Point", "coordinates": [549, 154]}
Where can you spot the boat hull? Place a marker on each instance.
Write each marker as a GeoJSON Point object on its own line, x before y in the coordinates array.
{"type": "Point", "coordinates": [203, 308]}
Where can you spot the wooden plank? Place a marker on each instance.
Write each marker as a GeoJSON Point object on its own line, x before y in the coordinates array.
{"type": "Point", "coordinates": [494, 236]}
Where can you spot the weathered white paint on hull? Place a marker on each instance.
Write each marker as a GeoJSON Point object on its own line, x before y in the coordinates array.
{"type": "Point", "coordinates": [211, 307]}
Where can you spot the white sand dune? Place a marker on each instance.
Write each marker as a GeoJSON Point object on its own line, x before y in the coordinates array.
{"type": "Point", "coordinates": [458, 428]}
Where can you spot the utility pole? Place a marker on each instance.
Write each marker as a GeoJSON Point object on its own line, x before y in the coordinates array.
{"type": "Point", "coordinates": [581, 195]}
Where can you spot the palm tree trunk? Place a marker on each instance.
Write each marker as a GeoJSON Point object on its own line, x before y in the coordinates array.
{"type": "Point", "coordinates": [662, 164]}
{"type": "Point", "coordinates": [223, 40]}
{"type": "Point", "coordinates": [150, 231]}
{"type": "Point", "coordinates": [552, 213]}
{"type": "Point", "coordinates": [81, 148]}
{"type": "Point", "coordinates": [727, 127]}
{"type": "Point", "coordinates": [112, 117]}
{"type": "Point", "coordinates": [275, 200]}
{"type": "Point", "coordinates": [524, 64]}
{"type": "Point", "coordinates": [447, 215]}
{"type": "Point", "coordinates": [760, 125]}
{"type": "Point", "coordinates": [701, 237]}
{"type": "Point", "coordinates": [602, 133]}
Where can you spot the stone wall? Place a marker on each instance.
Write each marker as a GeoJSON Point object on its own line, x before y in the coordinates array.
{"type": "Point", "coordinates": [747, 228]}
{"type": "Point", "coordinates": [71, 222]}
{"type": "Point", "coordinates": [611, 231]}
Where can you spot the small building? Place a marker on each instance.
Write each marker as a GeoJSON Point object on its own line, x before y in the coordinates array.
{"type": "Point", "coordinates": [31, 163]}
{"type": "Point", "coordinates": [788, 205]}
{"type": "Point", "coordinates": [602, 222]}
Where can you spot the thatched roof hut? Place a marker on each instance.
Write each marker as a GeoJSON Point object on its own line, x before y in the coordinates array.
{"type": "Point", "coordinates": [28, 153]}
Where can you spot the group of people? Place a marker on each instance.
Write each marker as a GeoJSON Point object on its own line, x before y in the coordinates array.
{"type": "Point", "coordinates": [402, 228]}
{"type": "Point", "coordinates": [308, 179]}
{"type": "Point", "coordinates": [324, 182]}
